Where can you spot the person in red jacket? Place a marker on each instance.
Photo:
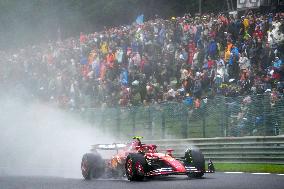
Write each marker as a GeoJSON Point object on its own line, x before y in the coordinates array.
{"type": "Point", "coordinates": [258, 33]}
{"type": "Point", "coordinates": [83, 38]}
{"type": "Point", "coordinates": [191, 51]}
{"type": "Point", "coordinates": [110, 58]}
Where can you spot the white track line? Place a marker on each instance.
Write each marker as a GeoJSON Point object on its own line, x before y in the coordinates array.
{"type": "Point", "coordinates": [252, 173]}
{"type": "Point", "coordinates": [261, 173]}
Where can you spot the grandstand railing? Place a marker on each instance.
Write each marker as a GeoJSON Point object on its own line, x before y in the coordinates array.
{"type": "Point", "coordinates": [254, 115]}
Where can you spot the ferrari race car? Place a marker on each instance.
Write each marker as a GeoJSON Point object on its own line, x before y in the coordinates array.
{"type": "Point", "coordinates": [137, 160]}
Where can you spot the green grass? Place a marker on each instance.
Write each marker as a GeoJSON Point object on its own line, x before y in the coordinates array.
{"type": "Point", "coordinates": [250, 167]}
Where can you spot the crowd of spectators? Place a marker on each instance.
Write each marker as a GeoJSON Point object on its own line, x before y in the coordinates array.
{"type": "Point", "coordinates": [184, 59]}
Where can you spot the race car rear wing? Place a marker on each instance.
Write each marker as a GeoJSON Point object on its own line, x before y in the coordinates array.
{"type": "Point", "coordinates": [114, 146]}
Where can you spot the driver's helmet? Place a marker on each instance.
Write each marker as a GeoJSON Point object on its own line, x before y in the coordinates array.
{"type": "Point", "coordinates": [134, 144]}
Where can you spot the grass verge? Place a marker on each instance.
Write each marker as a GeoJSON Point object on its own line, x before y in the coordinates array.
{"type": "Point", "coordinates": [250, 167]}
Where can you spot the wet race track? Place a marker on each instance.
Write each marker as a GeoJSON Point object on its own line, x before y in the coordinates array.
{"type": "Point", "coordinates": [212, 181]}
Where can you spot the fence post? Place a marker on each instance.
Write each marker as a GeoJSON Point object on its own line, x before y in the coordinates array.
{"type": "Point", "coordinates": [163, 125]}
{"type": "Point", "coordinates": [93, 117]}
{"type": "Point", "coordinates": [222, 112]}
{"type": "Point", "coordinates": [133, 121]}
{"type": "Point", "coordinates": [226, 117]}
{"type": "Point", "coordinates": [203, 126]}
{"type": "Point", "coordinates": [118, 123]}
{"type": "Point", "coordinates": [223, 105]}
{"type": "Point", "coordinates": [150, 126]}
{"type": "Point", "coordinates": [102, 121]}
{"type": "Point", "coordinates": [204, 114]}
{"type": "Point", "coordinates": [184, 123]}
{"type": "Point", "coordinates": [268, 119]}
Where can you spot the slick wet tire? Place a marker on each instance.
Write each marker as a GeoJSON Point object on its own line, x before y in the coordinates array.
{"type": "Point", "coordinates": [197, 160]}
{"type": "Point", "coordinates": [91, 166]}
{"type": "Point", "coordinates": [135, 167]}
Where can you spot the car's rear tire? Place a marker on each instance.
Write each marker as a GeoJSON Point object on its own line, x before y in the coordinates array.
{"type": "Point", "coordinates": [135, 167]}
{"type": "Point", "coordinates": [92, 166]}
{"type": "Point", "coordinates": [194, 158]}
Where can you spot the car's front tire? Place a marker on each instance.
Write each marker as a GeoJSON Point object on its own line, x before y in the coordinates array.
{"type": "Point", "coordinates": [194, 158]}
{"type": "Point", "coordinates": [135, 167]}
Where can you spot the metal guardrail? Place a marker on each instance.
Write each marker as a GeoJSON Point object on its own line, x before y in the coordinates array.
{"type": "Point", "coordinates": [268, 149]}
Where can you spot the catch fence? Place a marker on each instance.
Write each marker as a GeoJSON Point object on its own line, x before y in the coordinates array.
{"type": "Point", "coordinates": [254, 115]}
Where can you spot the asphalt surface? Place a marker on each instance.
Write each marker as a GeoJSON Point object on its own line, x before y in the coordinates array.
{"type": "Point", "coordinates": [212, 181]}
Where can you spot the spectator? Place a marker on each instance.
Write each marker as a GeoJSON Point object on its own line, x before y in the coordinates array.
{"type": "Point", "coordinates": [277, 63]}
{"type": "Point", "coordinates": [182, 59]}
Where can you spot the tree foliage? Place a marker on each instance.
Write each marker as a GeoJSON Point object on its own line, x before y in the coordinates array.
{"type": "Point", "coordinates": [32, 21]}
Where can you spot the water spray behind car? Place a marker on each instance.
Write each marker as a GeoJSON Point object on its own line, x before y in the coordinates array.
{"type": "Point", "coordinates": [37, 139]}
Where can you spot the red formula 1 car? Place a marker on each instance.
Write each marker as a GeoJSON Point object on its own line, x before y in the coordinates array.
{"type": "Point", "coordinates": [137, 161]}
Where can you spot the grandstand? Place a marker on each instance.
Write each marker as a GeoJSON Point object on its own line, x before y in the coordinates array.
{"type": "Point", "coordinates": [189, 60]}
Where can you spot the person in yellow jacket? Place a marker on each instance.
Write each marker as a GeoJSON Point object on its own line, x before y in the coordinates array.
{"type": "Point", "coordinates": [246, 23]}
{"type": "Point", "coordinates": [227, 54]}
{"type": "Point", "coordinates": [104, 48]}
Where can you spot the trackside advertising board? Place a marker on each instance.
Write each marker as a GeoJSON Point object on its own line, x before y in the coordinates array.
{"type": "Point", "coordinates": [244, 4]}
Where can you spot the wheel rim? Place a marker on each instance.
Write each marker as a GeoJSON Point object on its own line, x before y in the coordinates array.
{"type": "Point", "coordinates": [139, 168]}
{"type": "Point", "coordinates": [129, 168]}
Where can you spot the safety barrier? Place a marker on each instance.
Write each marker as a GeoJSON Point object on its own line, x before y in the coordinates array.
{"type": "Point", "coordinates": [254, 115]}
{"type": "Point", "coordinates": [269, 149]}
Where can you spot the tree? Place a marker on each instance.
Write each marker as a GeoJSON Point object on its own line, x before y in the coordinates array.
{"type": "Point", "coordinates": [33, 21]}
